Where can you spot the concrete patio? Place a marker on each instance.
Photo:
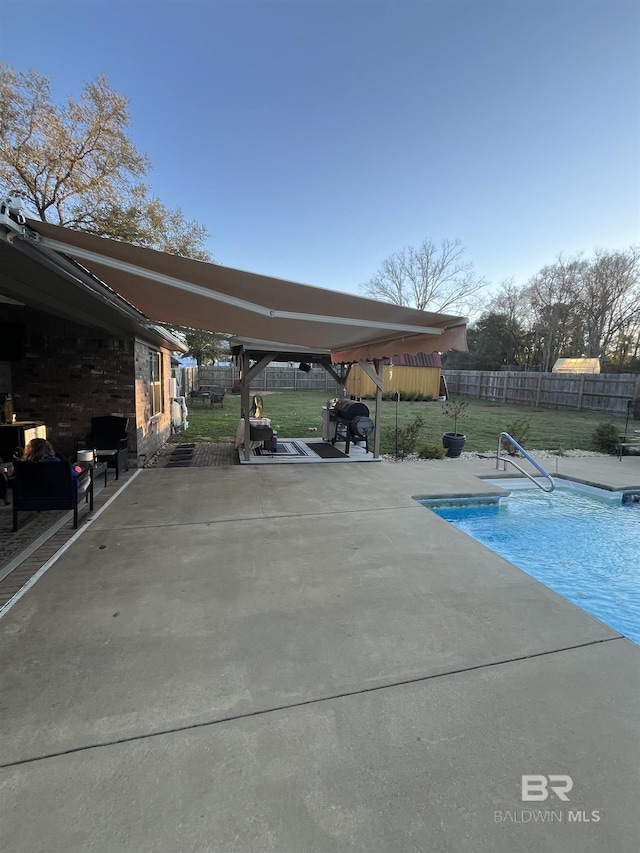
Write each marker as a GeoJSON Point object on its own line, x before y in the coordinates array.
{"type": "Point", "coordinates": [297, 659]}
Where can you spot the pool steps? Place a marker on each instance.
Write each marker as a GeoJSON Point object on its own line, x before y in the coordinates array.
{"type": "Point", "coordinates": [500, 458]}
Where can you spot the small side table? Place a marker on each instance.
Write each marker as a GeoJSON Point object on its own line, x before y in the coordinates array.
{"type": "Point", "coordinates": [100, 468]}
{"type": "Point", "coordinates": [107, 456]}
{"type": "Point", "coordinates": [93, 471]}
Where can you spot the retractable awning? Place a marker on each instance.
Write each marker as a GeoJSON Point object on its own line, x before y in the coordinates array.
{"type": "Point", "coordinates": [183, 292]}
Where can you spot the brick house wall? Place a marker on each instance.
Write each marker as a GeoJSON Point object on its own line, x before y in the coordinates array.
{"type": "Point", "coordinates": [152, 431]}
{"type": "Point", "coordinates": [69, 373]}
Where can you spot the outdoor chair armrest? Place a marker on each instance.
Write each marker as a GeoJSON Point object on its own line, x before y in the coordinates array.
{"type": "Point", "coordinates": [627, 441]}
{"type": "Point", "coordinates": [4, 486]}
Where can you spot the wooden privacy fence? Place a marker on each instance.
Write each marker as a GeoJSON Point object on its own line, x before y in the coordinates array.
{"type": "Point", "coordinates": [272, 378]}
{"type": "Point", "coordinates": [603, 392]}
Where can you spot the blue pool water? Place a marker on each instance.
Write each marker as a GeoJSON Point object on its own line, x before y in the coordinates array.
{"type": "Point", "coordinates": [584, 547]}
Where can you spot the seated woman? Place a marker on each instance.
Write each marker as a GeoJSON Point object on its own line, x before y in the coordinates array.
{"type": "Point", "coordinates": [41, 450]}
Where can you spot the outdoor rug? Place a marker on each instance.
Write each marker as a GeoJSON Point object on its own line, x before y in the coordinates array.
{"type": "Point", "coordinates": [285, 448]}
{"type": "Point", "coordinates": [325, 450]}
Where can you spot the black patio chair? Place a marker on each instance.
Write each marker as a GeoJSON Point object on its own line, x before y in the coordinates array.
{"type": "Point", "coordinates": [627, 444]}
{"type": "Point", "coordinates": [263, 434]}
{"type": "Point", "coordinates": [216, 395]}
{"type": "Point", "coordinates": [6, 479]}
{"type": "Point", "coordinates": [48, 486]}
{"type": "Point", "coordinates": [109, 438]}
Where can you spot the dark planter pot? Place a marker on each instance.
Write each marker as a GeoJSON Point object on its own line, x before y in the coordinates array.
{"type": "Point", "coordinates": [453, 442]}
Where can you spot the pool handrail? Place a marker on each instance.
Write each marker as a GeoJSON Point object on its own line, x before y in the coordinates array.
{"type": "Point", "coordinates": [536, 465]}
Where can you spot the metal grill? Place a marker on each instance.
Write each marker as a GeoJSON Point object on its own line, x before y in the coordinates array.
{"type": "Point", "coordinates": [351, 422]}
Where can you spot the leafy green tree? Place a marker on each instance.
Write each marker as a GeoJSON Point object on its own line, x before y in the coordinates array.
{"type": "Point", "coordinates": [494, 342]}
{"type": "Point", "coordinates": [76, 166]}
{"type": "Point", "coordinates": [205, 347]}
{"type": "Point", "coordinates": [499, 342]}
{"type": "Point", "coordinates": [147, 222]}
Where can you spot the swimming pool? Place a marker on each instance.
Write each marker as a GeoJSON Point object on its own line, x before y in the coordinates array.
{"type": "Point", "coordinates": [581, 543]}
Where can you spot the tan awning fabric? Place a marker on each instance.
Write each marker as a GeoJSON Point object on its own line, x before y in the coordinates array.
{"type": "Point", "coordinates": [453, 338]}
{"type": "Point", "coordinates": [183, 292]}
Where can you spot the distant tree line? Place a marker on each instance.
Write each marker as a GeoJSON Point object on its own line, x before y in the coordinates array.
{"type": "Point", "coordinates": [575, 307]}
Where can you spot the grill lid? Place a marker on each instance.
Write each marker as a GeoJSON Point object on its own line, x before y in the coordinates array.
{"type": "Point", "coordinates": [346, 409]}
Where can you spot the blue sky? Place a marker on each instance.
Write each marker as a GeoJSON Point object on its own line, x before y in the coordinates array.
{"type": "Point", "coordinates": [313, 139]}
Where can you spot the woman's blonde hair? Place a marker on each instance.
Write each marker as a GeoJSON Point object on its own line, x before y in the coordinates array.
{"type": "Point", "coordinates": [37, 450]}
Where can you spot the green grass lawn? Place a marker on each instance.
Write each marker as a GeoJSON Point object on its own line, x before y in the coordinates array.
{"type": "Point", "coordinates": [293, 412]}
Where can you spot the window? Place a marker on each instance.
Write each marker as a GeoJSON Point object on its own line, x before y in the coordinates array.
{"type": "Point", "coordinates": [155, 382]}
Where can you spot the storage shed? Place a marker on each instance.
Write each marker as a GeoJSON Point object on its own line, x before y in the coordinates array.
{"type": "Point", "coordinates": [418, 374]}
{"type": "Point", "coordinates": [576, 365]}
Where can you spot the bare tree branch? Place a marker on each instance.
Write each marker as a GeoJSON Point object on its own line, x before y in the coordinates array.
{"type": "Point", "coordinates": [430, 277]}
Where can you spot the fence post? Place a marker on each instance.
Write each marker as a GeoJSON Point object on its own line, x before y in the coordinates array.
{"type": "Point", "coordinates": [580, 392]}
{"type": "Point", "coordinates": [539, 389]}
{"type": "Point", "coordinates": [504, 387]}
{"type": "Point", "coordinates": [479, 394]}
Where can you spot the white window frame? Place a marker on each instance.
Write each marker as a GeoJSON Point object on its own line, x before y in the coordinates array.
{"type": "Point", "coordinates": [156, 395]}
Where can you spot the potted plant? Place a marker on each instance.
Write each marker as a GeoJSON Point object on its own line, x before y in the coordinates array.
{"type": "Point", "coordinates": [454, 441]}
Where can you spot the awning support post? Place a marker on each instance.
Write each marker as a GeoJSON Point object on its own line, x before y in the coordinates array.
{"type": "Point", "coordinates": [374, 373]}
{"type": "Point", "coordinates": [248, 375]}
{"type": "Point", "coordinates": [341, 377]}
{"type": "Point", "coordinates": [244, 403]}
{"type": "Point", "coordinates": [379, 366]}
